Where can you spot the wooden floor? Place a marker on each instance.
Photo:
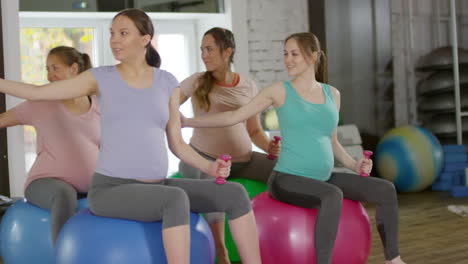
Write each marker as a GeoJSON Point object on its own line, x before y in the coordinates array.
{"type": "Point", "coordinates": [429, 233]}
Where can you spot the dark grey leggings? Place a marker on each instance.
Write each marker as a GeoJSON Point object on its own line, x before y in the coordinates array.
{"type": "Point", "coordinates": [57, 196]}
{"type": "Point", "coordinates": [328, 196]}
{"type": "Point", "coordinates": [168, 200]}
{"type": "Point", "coordinates": [258, 168]}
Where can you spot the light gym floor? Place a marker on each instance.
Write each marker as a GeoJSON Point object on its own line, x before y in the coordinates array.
{"type": "Point", "coordinates": [429, 233]}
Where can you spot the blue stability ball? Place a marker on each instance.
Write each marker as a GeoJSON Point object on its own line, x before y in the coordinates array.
{"type": "Point", "coordinates": [87, 238]}
{"type": "Point", "coordinates": [25, 234]}
{"type": "Point", "coordinates": [409, 156]}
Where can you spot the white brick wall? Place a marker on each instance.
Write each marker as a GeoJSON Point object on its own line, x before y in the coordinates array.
{"type": "Point", "coordinates": [269, 23]}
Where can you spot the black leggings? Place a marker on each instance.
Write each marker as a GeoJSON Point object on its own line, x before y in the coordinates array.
{"type": "Point", "coordinates": [328, 196]}
{"type": "Point", "coordinates": [258, 168]}
{"type": "Point", "coordinates": [168, 200]}
{"type": "Point", "coordinates": [57, 196]}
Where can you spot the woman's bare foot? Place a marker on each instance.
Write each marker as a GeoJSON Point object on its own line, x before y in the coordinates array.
{"type": "Point", "coordinates": [396, 260]}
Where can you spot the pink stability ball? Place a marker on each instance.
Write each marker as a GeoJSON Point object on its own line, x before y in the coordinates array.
{"type": "Point", "coordinates": [287, 232]}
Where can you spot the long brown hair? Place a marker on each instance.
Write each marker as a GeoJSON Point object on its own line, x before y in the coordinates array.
{"type": "Point", "coordinates": [224, 39]}
{"type": "Point", "coordinates": [309, 43]}
{"type": "Point", "coordinates": [69, 55]}
{"type": "Point", "coordinates": [144, 25]}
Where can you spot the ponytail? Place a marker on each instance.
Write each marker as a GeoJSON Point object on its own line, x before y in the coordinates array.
{"type": "Point", "coordinates": [86, 62]}
{"type": "Point", "coordinates": [152, 56]}
{"type": "Point", "coordinates": [321, 73]}
{"type": "Point", "coordinates": [201, 94]}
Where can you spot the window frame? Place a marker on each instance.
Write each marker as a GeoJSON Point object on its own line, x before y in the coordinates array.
{"type": "Point", "coordinates": [101, 24]}
{"type": "Point", "coordinates": [234, 18]}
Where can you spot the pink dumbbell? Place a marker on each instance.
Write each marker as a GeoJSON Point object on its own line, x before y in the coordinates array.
{"type": "Point", "coordinates": [225, 157]}
{"type": "Point", "coordinates": [367, 155]}
{"type": "Point", "coordinates": [276, 139]}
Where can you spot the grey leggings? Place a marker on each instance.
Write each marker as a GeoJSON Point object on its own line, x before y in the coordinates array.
{"type": "Point", "coordinates": [258, 168]}
{"type": "Point", "coordinates": [328, 196]}
{"type": "Point", "coordinates": [168, 200]}
{"type": "Point", "coordinates": [57, 196]}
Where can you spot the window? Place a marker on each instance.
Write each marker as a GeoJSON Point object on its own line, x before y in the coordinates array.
{"type": "Point", "coordinates": [35, 43]}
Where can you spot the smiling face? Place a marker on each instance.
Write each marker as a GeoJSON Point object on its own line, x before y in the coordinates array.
{"type": "Point", "coordinates": [212, 55]}
{"type": "Point", "coordinates": [295, 61]}
{"type": "Point", "coordinates": [126, 41]}
{"type": "Point", "coordinates": [57, 70]}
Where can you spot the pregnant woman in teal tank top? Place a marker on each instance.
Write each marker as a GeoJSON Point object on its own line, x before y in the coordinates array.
{"type": "Point", "coordinates": [308, 115]}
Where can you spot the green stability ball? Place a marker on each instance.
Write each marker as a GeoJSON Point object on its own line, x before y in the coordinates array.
{"type": "Point", "coordinates": [253, 188]}
{"type": "Point", "coordinates": [176, 176]}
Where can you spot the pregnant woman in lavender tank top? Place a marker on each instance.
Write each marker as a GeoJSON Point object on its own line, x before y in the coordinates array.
{"type": "Point", "coordinates": [139, 107]}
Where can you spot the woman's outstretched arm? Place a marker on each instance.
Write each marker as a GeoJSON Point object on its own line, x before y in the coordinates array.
{"type": "Point", "coordinates": [81, 85]}
{"type": "Point", "coordinates": [267, 96]}
{"type": "Point", "coordinates": [8, 119]}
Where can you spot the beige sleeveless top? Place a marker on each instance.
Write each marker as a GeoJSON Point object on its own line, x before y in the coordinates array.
{"type": "Point", "coordinates": [233, 140]}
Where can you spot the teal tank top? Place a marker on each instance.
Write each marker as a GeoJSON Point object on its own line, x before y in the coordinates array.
{"type": "Point", "coordinates": [306, 130]}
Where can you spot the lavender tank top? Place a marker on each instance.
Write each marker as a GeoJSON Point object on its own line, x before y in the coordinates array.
{"type": "Point", "coordinates": [133, 125]}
